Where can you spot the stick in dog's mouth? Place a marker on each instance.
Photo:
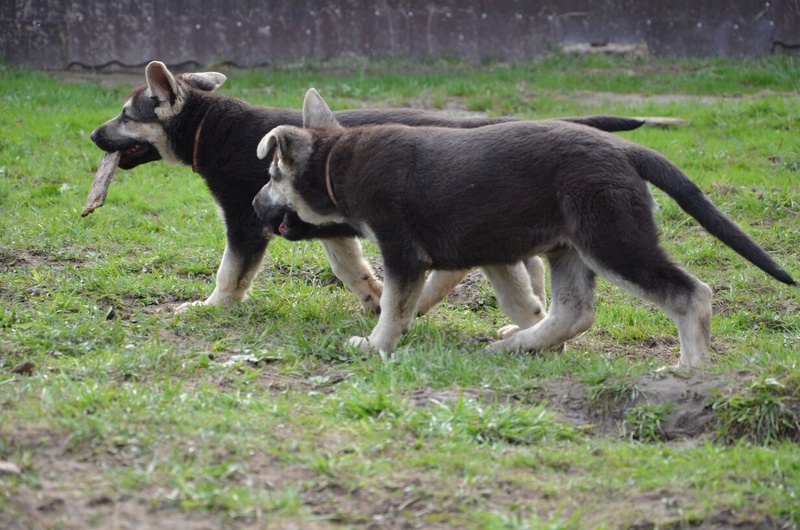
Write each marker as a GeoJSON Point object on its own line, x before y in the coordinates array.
{"type": "Point", "coordinates": [102, 180]}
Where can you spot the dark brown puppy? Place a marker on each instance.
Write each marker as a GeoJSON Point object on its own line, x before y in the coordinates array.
{"type": "Point", "coordinates": [178, 118]}
{"type": "Point", "coordinates": [434, 198]}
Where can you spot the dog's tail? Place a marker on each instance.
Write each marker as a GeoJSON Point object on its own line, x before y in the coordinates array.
{"type": "Point", "coordinates": [656, 169]}
{"type": "Point", "coordinates": [608, 123]}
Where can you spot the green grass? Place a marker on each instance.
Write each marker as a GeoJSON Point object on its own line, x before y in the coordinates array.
{"type": "Point", "coordinates": [258, 416]}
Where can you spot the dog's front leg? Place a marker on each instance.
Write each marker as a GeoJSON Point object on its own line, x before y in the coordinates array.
{"type": "Point", "coordinates": [348, 264]}
{"type": "Point", "coordinates": [535, 268]}
{"type": "Point", "coordinates": [440, 283]}
{"type": "Point", "coordinates": [244, 252]}
{"type": "Point", "coordinates": [398, 305]}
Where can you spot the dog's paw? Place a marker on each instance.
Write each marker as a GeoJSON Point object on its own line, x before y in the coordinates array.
{"type": "Point", "coordinates": [499, 346]}
{"type": "Point", "coordinates": [507, 332]}
{"type": "Point", "coordinates": [512, 345]}
{"type": "Point", "coordinates": [370, 308]}
{"type": "Point", "coordinates": [361, 343]}
{"type": "Point", "coordinates": [371, 302]}
{"type": "Point", "coordinates": [184, 307]}
{"type": "Point", "coordinates": [679, 370]}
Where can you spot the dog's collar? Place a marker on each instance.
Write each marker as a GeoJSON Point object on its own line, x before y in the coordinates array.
{"type": "Point", "coordinates": [328, 179]}
{"type": "Point", "coordinates": [197, 140]}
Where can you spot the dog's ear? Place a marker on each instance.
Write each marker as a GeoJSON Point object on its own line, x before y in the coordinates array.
{"type": "Point", "coordinates": [316, 113]}
{"type": "Point", "coordinates": [161, 83]}
{"type": "Point", "coordinates": [207, 81]}
{"type": "Point", "coordinates": [266, 144]}
{"type": "Point", "coordinates": [290, 144]}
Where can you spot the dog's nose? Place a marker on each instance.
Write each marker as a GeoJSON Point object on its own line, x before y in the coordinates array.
{"type": "Point", "coordinates": [93, 136]}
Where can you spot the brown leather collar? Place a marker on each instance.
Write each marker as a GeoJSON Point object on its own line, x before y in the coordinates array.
{"type": "Point", "coordinates": [328, 180]}
{"type": "Point", "coordinates": [197, 140]}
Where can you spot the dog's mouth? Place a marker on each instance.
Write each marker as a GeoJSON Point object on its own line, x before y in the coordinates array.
{"type": "Point", "coordinates": [132, 150]}
{"type": "Point", "coordinates": [282, 228]}
{"type": "Point", "coordinates": [138, 154]}
{"type": "Point", "coordinates": [291, 227]}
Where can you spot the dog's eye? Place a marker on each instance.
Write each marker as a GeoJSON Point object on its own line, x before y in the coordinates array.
{"type": "Point", "coordinates": [125, 117]}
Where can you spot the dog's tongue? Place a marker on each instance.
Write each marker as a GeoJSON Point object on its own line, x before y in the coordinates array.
{"type": "Point", "coordinates": [282, 227]}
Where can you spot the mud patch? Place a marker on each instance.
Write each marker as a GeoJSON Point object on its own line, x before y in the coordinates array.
{"type": "Point", "coordinates": [689, 399]}
{"type": "Point", "coordinates": [603, 413]}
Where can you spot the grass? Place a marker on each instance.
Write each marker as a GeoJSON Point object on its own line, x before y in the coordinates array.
{"type": "Point", "coordinates": [257, 416]}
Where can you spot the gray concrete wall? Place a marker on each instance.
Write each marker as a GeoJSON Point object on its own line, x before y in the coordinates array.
{"type": "Point", "coordinates": [57, 34]}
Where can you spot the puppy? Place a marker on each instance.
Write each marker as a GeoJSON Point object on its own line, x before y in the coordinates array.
{"type": "Point", "coordinates": [182, 120]}
{"type": "Point", "coordinates": [435, 198]}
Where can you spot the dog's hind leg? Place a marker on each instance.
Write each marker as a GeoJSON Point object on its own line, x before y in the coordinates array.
{"type": "Point", "coordinates": [348, 264]}
{"type": "Point", "coordinates": [684, 298]}
{"type": "Point", "coordinates": [437, 286]}
{"type": "Point", "coordinates": [571, 310]}
{"type": "Point", "coordinates": [512, 286]}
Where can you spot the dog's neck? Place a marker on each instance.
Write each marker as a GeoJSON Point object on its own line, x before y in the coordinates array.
{"type": "Point", "coordinates": [197, 140]}
{"type": "Point", "coordinates": [328, 185]}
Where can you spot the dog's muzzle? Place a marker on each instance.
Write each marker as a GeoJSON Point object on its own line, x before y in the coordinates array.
{"type": "Point", "coordinates": [267, 211]}
{"type": "Point", "coordinates": [281, 219]}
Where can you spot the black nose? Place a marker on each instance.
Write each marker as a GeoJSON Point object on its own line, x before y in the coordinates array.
{"type": "Point", "coordinates": [93, 136]}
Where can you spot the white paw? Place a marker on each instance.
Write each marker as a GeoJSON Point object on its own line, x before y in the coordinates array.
{"type": "Point", "coordinates": [359, 342]}
{"type": "Point", "coordinates": [184, 307]}
{"type": "Point", "coordinates": [498, 346]}
{"type": "Point", "coordinates": [679, 369]}
{"type": "Point", "coordinates": [507, 331]}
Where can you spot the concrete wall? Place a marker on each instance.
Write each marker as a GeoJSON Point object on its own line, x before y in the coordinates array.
{"type": "Point", "coordinates": [57, 34]}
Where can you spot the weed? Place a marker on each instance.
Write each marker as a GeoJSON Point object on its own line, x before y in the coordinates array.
{"type": "Point", "coordinates": [767, 411]}
{"type": "Point", "coordinates": [643, 422]}
{"type": "Point", "coordinates": [609, 395]}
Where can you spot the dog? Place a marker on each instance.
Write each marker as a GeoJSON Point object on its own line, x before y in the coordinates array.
{"type": "Point", "coordinates": [179, 119]}
{"type": "Point", "coordinates": [451, 199]}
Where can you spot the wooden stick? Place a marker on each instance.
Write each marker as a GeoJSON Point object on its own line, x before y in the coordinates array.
{"type": "Point", "coordinates": [102, 180]}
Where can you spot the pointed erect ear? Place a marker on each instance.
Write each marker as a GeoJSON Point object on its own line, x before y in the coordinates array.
{"type": "Point", "coordinates": [161, 83]}
{"type": "Point", "coordinates": [316, 113]}
{"type": "Point", "coordinates": [207, 81]}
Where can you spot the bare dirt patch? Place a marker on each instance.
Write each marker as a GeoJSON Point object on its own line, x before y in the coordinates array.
{"type": "Point", "coordinates": [689, 398]}
{"type": "Point", "coordinates": [71, 492]}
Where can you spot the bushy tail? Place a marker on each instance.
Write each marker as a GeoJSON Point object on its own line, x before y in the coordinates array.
{"type": "Point", "coordinates": [656, 169]}
{"type": "Point", "coordinates": [608, 123]}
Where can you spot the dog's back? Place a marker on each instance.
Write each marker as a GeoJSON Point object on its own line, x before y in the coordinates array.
{"type": "Point", "coordinates": [472, 197]}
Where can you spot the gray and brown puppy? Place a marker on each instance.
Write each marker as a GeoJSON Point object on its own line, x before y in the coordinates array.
{"type": "Point", "coordinates": [182, 120]}
{"type": "Point", "coordinates": [435, 198]}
